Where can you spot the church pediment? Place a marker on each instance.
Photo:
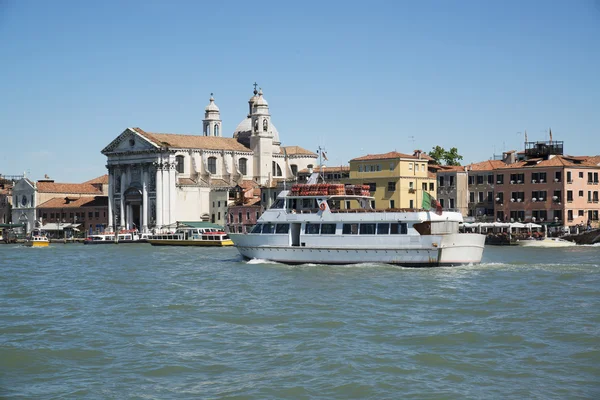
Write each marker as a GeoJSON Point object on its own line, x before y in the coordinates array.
{"type": "Point", "coordinates": [129, 141]}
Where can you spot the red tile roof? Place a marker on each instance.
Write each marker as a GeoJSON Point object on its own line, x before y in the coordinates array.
{"type": "Point", "coordinates": [249, 184]}
{"type": "Point", "coordinates": [193, 141]}
{"type": "Point", "coordinates": [488, 165]}
{"type": "Point", "coordinates": [101, 179]}
{"type": "Point", "coordinates": [556, 161]}
{"type": "Point", "coordinates": [74, 188]}
{"type": "Point", "coordinates": [296, 150]}
{"type": "Point", "coordinates": [75, 202]}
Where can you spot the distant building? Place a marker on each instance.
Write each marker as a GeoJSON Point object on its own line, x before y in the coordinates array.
{"type": "Point", "coordinates": [243, 213]}
{"type": "Point", "coordinates": [453, 188]}
{"type": "Point", "coordinates": [86, 213]}
{"type": "Point", "coordinates": [6, 185]}
{"type": "Point", "coordinates": [560, 190]}
{"type": "Point", "coordinates": [28, 195]}
{"type": "Point", "coordinates": [396, 180]}
{"type": "Point", "coordinates": [481, 183]}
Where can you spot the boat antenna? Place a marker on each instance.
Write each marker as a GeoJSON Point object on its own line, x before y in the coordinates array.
{"type": "Point", "coordinates": [322, 156]}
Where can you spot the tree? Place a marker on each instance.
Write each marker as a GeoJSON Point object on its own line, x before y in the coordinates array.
{"type": "Point", "coordinates": [437, 153]}
{"type": "Point", "coordinates": [450, 157]}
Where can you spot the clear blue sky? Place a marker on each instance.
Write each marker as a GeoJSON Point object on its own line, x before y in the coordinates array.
{"type": "Point", "coordinates": [355, 77]}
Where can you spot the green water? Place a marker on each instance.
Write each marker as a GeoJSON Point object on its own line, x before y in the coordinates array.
{"type": "Point", "coordinates": [140, 322]}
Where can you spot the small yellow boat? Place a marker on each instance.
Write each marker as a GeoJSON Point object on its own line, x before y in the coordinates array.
{"type": "Point", "coordinates": [37, 239]}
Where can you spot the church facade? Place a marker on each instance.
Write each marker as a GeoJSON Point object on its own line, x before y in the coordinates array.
{"type": "Point", "coordinates": [157, 179]}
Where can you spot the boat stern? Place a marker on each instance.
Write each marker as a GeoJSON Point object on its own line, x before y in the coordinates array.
{"type": "Point", "coordinates": [461, 248]}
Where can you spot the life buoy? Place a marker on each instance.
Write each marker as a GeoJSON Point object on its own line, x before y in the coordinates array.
{"type": "Point", "coordinates": [322, 206]}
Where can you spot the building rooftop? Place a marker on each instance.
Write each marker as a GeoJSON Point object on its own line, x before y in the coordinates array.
{"type": "Point", "coordinates": [72, 188]}
{"type": "Point", "coordinates": [75, 202]}
{"type": "Point", "coordinates": [193, 141]}
{"type": "Point", "coordinates": [103, 179]}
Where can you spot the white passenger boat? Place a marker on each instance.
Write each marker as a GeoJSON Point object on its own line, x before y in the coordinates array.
{"type": "Point", "coordinates": [333, 224]}
{"type": "Point", "coordinates": [200, 234]}
{"type": "Point", "coordinates": [124, 236]}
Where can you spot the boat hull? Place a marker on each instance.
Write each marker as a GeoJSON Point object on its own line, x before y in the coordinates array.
{"type": "Point", "coordinates": [204, 243]}
{"type": "Point", "coordinates": [37, 244]}
{"type": "Point", "coordinates": [451, 250]}
{"type": "Point", "coordinates": [95, 242]}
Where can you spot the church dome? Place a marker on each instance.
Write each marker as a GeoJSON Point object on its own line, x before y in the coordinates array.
{"type": "Point", "coordinates": [211, 106]}
{"type": "Point", "coordinates": [244, 130]}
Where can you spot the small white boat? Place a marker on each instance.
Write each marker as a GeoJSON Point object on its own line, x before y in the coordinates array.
{"type": "Point", "coordinates": [125, 236]}
{"type": "Point", "coordinates": [335, 224]}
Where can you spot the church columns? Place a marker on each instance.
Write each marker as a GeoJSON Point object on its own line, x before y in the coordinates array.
{"type": "Point", "coordinates": [129, 217]}
{"type": "Point", "coordinates": [172, 192]}
{"type": "Point", "coordinates": [144, 208]}
{"type": "Point", "coordinates": [111, 196]}
{"type": "Point", "coordinates": [123, 185]}
{"type": "Point", "coordinates": [159, 194]}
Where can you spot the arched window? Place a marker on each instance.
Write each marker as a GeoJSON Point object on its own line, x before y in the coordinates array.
{"type": "Point", "coordinates": [294, 168]}
{"type": "Point", "coordinates": [212, 165]}
{"type": "Point", "coordinates": [243, 166]}
{"type": "Point", "coordinates": [276, 169]}
{"type": "Point", "coordinates": [206, 129]}
{"type": "Point", "coordinates": [179, 164]}
{"type": "Point", "coordinates": [310, 166]}
{"type": "Point", "coordinates": [216, 130]}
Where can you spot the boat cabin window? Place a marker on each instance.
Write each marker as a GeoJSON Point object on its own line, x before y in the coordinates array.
{"type": "Point", "coordinates": [350, 229]}
{"type": "Point", "coordinates": [309, 203]}
{"type": "Point", "coordinates": [383, 229]}
{"type": "Point", "coordinates": [312, 229]}
{"type": "Point", "coordinates": [204, 237]}
{"type": "Point", "coordinates": [268, 228]}
{"type": "Point", "coordinates": [257, 228]}
{"type": "Point", "coordinates": [367, 229]}
{"type": "Point", "coordinates": [398, 228]}
{"type": "Point", "coordinates": [279, 203]}
{"type": "Point", "coordinates": [328, 229]}
{"type": "Point", "coordinates": [282, 228]}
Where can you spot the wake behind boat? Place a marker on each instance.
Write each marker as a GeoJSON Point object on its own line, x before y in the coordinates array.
{"type": "Point", "coordinates": [546, 242]}
{"type": "Point", "coordinates": [335, 224]}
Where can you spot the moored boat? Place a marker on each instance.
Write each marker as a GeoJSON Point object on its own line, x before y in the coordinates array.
{"type": "Point", "coordinates": [335, 224]}
{"type": "Point", "coordinates": [201, 234]}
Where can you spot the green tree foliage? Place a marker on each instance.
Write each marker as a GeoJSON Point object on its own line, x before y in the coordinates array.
{"type": "Point", "coordinates": [450, 157]}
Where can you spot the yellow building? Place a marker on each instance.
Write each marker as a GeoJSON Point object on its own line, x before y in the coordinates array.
{"type": "Point", "coordinates": [396, 180]}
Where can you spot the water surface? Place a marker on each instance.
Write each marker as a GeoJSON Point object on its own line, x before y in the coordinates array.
{"type": "Point", "coordinates": [142, 322]}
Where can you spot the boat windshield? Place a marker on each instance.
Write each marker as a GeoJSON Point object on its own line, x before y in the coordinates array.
{"type": "Point", "coordinates": [279, 203]}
